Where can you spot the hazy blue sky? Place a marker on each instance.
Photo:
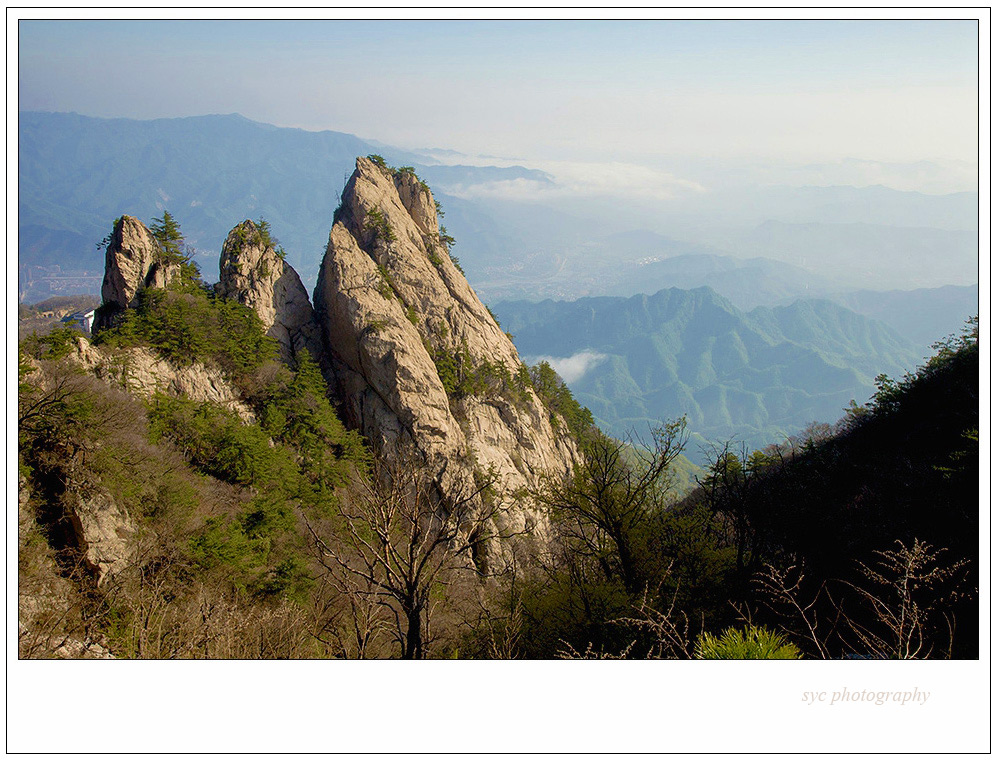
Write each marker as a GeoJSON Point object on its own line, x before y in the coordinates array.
{"type": "Point", "coordinates": [797, 91]}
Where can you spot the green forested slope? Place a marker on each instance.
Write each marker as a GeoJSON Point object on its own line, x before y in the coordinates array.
{"type": "Point", "coordinates": [758, 376]}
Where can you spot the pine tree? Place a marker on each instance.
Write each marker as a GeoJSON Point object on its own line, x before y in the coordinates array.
{"type": "Point", "coordinates": [166, 231]}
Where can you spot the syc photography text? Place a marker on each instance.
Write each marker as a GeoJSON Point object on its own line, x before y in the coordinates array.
{"type": "Point", "coordinates": [840, 696]}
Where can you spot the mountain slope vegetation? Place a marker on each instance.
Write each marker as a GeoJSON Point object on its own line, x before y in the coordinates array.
{"type": "Point", "coordinates": [186, 489]}
{"type": "Point", "coordinates": [761, 375]}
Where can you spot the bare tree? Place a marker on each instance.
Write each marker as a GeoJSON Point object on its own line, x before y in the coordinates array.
{"type": "Point", "coordinates": [782, 592]}
{"type": "Point", "coordinates": [611, 494]}
{"type": "Point", "coordinates": [905, 604]}
{"type": "Point", "coordinates": [347, 617]}
{"type": "Point", "coordinates": [401, 539]}
{"type": "Point", "coordinates": [670, 629]}
{"type": "Point", "coordinates": [909, 592]}
{"type": "Point", "coordinates": [666, 632]}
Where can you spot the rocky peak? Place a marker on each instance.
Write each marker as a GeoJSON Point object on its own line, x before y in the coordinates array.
{"type": "Point", "coordinates": [391, 215]}
{"type": "Point", "coordinates": [418, 358]}
{"type": "Point", "coordinates": [253, 272]}
{"type": "Point", "coordinates": [133, 261]}
{"type": "Point", "coordinates": [417, 199]}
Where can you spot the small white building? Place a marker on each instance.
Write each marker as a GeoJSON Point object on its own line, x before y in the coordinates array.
{"type": "Point", "coordinates": [82, 320]}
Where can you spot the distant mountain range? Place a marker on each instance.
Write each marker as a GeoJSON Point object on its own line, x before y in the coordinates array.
{"type": "Point", "coordinates": [77, 174]}
{"type": "Point", "coordinates": [764, 248]}
{"type": "Point", "coordinates": [860, 253]}
{"type": "Point", "coordinates": [725, 339]}
{"type": "Point", "coordinates": [758, 376]}
{"type": "Point", "coordinates": [922, 316]}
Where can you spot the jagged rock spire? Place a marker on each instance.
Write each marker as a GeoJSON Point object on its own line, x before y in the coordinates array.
{"type": "Point", "coordinates": [133, 261]}
{"type": "Point", "coordinates": [253, 272]}
{"type": "Point", "coordinates": [406, 333]}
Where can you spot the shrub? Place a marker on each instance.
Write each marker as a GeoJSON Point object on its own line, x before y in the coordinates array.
{"type": "Point", "coordinates": [750, 643]}
{"type": "Point", "coordinates": [462, 376]}
{"type": "Point", "coordinates": [378, 227]}
{"type": "Point", "coordinates": [294, 410]}
{"type": "Point", "coordinates": [386, 286]}
{"type": "Point", "coordinates": [220, 444]}
{"type": "Point", "coordinates": [56, 344]}
{"type": "Point", "coordinates": [257, 548]}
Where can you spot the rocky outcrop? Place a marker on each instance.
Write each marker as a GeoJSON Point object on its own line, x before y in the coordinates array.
{"type": "Point", "coordinates": [143, 373]}
{"type": "Point", "coordinates": [418, 358]}
{"type": "Point", "coordinates": [104, 532]}
{"type": "Point", "coordinates": [132, 262]}
{"type": "Point", "coordinates": [254, 273]}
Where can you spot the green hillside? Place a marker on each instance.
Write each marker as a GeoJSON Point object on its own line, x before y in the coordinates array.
{"type": "Point", "coordinates": [758, 376]}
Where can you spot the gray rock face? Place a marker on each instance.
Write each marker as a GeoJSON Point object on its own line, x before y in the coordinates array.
{"type": "Point", "coordinates": [132, 262]}
{"type": "Point", "coordinates": [392, 306]}
{"type": "Point", "coordinates": [252, 273]}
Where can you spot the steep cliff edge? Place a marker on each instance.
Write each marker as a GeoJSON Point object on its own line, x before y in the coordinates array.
{"type": "Point", "coordinates": [418, 359]}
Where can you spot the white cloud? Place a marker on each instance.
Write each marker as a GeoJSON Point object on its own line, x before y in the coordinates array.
{"type": "Point", "coordinates": [922, 176]}
{"type": "Point", "coordinates": [572, 368]}
{"type": "Point", "coordinates": [573, 179]}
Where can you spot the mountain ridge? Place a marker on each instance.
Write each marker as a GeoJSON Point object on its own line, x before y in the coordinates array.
{"type": "Point", "coordinates": [761, 375]}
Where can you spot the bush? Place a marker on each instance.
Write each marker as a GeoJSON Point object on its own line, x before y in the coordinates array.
{"type": "Point", "coordinates": [256, 548]}
{"type": "Point", "coordinates": [751, 643]}
{"type": "Point", "coordinates": [462, 376]}
{"type": "Point", "coordinates": [294, 410]}
{"type": "Point", "coordinates": [378, 227]}
{"type": "Point", "coordinates": [218, 443]}
{"type": "Point", "coordinates": [55, 344]}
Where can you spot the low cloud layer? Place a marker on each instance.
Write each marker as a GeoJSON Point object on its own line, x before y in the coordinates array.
{"type": "Point", "coordinates": [572, 368]}
{"type": "Point", "coordinates": [582, 179]}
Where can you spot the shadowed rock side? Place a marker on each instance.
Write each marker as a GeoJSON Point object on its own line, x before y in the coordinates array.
{"type": "Point", "coordinates": [392, 306]}
{"type": "Point", "coordinates": [252, 273]}
{"type": "Point", "coordinates": [132, 262]}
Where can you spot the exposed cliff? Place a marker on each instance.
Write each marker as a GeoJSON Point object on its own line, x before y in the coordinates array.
{"type": "Point", "coordinates": [418, 358]}
{"type": "Point", "coordinates": [416, 361]}
{"type": "Point", "coordinates": [254, 273]}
